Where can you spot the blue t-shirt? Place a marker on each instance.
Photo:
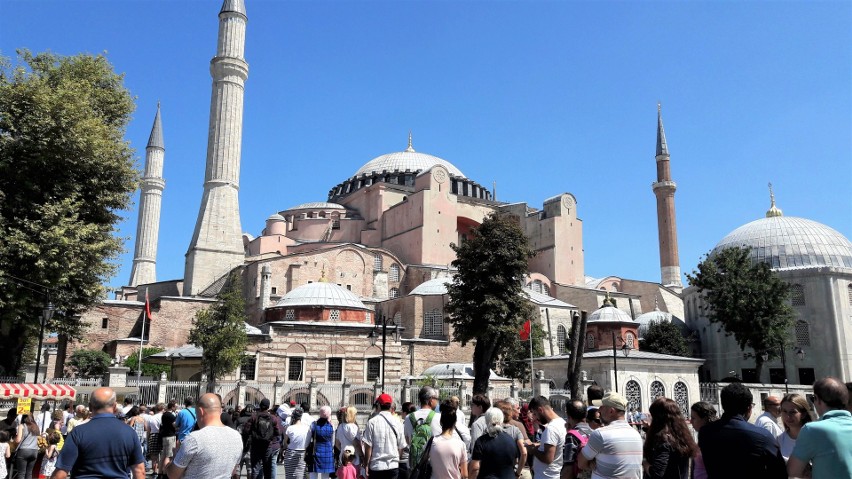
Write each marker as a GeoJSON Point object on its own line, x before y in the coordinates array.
{"type": "Point", "coordinates": [102, 448]}
{"type": "Point", "coordinates": [185, 422]}
{"type": "Point", "coordinates": [828, 443]}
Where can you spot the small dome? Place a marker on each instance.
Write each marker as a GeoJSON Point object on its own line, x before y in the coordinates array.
{"type": "Point", "coordinates": [433, 287]}
{"type": "Point", "coordinates": [609, 313]}
{"type": "Point", "coordinates": [321, 294]}
{"type": "Point", "coordinates": [646, 319]}
{"type": "Point", "coordinates": [786, 242]}
{"type": "Point", "coordinates": [275, 217]}
{"type": "Point", "coordinates": [406, 160]}
{"type": "Point", "coordinates": [317, 205]}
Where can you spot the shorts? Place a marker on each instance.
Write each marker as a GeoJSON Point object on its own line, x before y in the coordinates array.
{"type": "Point", "coordinates": [154, 445]}
{"type": "Point", "coordinates": [168, 449]}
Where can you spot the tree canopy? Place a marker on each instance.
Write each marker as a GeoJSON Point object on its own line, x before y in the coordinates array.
{"type": "Point", "coordinates": [66, 173]}
{"type": "Point", "coordinates": [486, 303]}
{"type": "Point", "coordinates": [220, 330]}
{"type": "Point", "coordinates": [665, 337]}
{"type": "Point", "coordinates": [748, 300]}
{"type": "Point", "coordinates": [148, 369]}
{"type": "Point", "coordinates": [89, 363]}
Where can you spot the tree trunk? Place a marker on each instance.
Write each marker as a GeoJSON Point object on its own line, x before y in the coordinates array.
{"type": "Point", "coordinates": [572, 350]}
{"type": "Point", "coordinates": [483, 356]}
{"type": "Point", "coordinates": [16, 341]}
{"type": "Point", "coordinates": [581, 349]}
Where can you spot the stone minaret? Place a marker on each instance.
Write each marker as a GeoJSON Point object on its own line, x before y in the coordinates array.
{"type": "Point", "coordinates": [217, 244]}
{"type": "Point", "coordinates": [664, 188]}
{"type": "Point", "coordinates": [148, 227]}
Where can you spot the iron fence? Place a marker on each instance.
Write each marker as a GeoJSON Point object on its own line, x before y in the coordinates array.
{"type": "Point", "coordinates": [92, 382]}
{"type": "Point", "coordinates": [180, 390]}
{"type": "Point", "coordinates": [709, 392]}
{"type": "Point", "coordinates": [330, 395]}
{"type": "Point", "coordinates": [147, 391]}
{"type": "Point", "coordinates": [362, 396]}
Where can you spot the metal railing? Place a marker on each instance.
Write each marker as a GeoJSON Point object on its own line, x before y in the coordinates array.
{"type": "Point", "coordinates": [93, 382]}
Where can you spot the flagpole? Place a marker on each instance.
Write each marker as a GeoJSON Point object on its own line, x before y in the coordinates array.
{"type": "Point", "coordinates": [532, 362]}
{"type": "Point", "coordinates": [141, 343]}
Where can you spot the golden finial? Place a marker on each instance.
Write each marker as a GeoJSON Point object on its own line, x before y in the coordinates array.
{"type": "Point", "coordinates": [322, 276]}
{"type": "Point", "coordinates": [773, 211]}
{"type": "Point", "coordinates": [410, 148]}
{"type": "Point", "coordinates": [607, 300]}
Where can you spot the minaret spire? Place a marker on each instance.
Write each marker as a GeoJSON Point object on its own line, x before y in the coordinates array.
{"type": "Point", "coordinates": [664, 189]}
{"type": "Point", "coordinates": [410, 148]}
{"type": "Point", "coordinates": [217, 244]}
{"type": "Point", "coordinates": [150, 199]}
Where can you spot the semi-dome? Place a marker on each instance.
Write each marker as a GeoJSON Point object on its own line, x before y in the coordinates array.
{"type": "Point", "coordinates": [786, 242]}
{"type": "Point", "coordinates": [406, 160]}
{"type": "Point", "coordinates": [433, 287]}
{"type": "Point", "coordinates": [658, 316]}
{"type": "Point", "coordinates": [322, 294]}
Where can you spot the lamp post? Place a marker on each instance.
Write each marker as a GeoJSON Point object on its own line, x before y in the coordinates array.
{"type": "Point", "coordinates": [625, 350]}
{"type": "Point", "coordinates": [374, 337]}
{"type": "Point", "coordinates": [46, 315]}
{"type": "Point", "coordinates": [801, 355]}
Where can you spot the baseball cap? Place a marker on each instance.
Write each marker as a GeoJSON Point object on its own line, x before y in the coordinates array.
{"type": "Point", "coordinates": [613, 400]}
{"type": "Point", "coordinates": [385, 399]}
{"type": "Point", "coordinates": [349, 450]}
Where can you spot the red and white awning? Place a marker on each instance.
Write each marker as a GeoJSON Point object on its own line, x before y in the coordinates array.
{"type": "Point", "coordinates": [36, 391]}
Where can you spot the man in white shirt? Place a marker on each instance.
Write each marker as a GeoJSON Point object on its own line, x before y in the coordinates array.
{"type": "Point", "coordinates": [547, 455]}
{"type": "Point", "coordinates": [383, 442]}
{"type": "Point", "coordinates": [769, 419]}
{"type": "Point", "coordinates": [614, 451]}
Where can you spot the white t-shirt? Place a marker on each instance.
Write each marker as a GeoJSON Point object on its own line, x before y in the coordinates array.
{"type": "Point", "coordinates": [298, 435]}
{"type": "Point", "coordinates": [210, 453]}
{"type": "Point", "coordinates": [154, 422]}
{"type": "Point", "coordinates": [446, 455]}
{"type": "Point", "coordinates": [346, 434]}
{"type": "Point", "coordinates": [554, 434]}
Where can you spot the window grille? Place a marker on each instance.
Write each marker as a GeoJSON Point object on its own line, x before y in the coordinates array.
{"type": "Point", "coordinates": [633, 394]}
{"type": "Point", "coordinates": [797, 295]}
{"type": "Point", "coordinates": [560, 339]}
{"type": "Point", "coordinates": [335, 369]}
{"type": "Point", "coordinates": [335, 224]}
{"type": "Point", "coordinates": [368, 316]}
{"type": "Point", "coordinates": [334, 315]}
{"type": "Point", "coordinates": [374, 368]}
{"type": "Point", "coordinates": [657, 390]}
{"type": "Point", "coordinates": [294, 369]}
{"type": "Point", "coordinates": [393, 276]}
{"type": "Point", "coordinates": [803, 334]}
{"type": "Point", "coordinates": [590, 341]}
{"type": "Point", "coordinates": [433, 324]}
{"type": "Point", "coordinates": [377, 262]}
{"type": "Point", "coordinates": [394, 293]}
{"type": "Point", "coordinates": [290, 314]}
{"type": "Point", "coordinates": [248, 367]}
{"type": "Point", "coordinates": [631, 342]}
{"type": "Point", "coordinates": [681, 397]}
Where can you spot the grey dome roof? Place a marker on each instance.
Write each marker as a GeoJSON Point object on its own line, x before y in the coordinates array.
{"type": "Point", "coordinates": [609, 313]}
{"type": "Point", "coordinates": [433, 287]}
{"type": "Point", "coordinates": [275, 217]}
{"type": "Point", "coordinates": [786, 242]}
{"type": "Point", "coordinates": [646, 319]}
{"type": "Point", "coordinates": [406, 160]}
{"type": "Point", "coordinates": [317, 205]}
{"type": "Point", "coordinates": [323, 294]}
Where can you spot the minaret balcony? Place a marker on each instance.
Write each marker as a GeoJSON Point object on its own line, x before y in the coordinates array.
{"type": "Point", "coordinates": [664, 185]}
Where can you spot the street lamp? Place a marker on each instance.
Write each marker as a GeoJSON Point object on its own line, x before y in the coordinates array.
{"type": "Point", "coordinates": [374, 338]}
{"type": "Point", "coordinates": [625, 350]}
{"type": "Point", "coordinates": [800, 353]}
{"type": "Point", "coordinates": [46, 315]}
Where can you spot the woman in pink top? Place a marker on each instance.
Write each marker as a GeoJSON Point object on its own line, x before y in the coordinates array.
{"type": "Point", "coordinates": [448, 454]}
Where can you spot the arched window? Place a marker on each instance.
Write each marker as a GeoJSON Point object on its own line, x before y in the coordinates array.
{"type": "Point", "coordinates": [631, 341]}
{"type": "Point", "coordinates": [393, 275]}
{"type": "Point", "coordinates": [394, 293]}
{"type": "Point", "coordinates": [561, 334]}
{"type": "Point", "coordinates": [681, 397]}
{"type": "Point", "coordinates": [590, 341]}
{"type": "Point", "coordinates": [657, 390]}
{"type": "Point", "coordinates": [377, 262]}
{"type": "Point", "coordinates": [797, 295]}
{"type": "Point", "coordinates": [803, 334]}
{"type": "Point", "coordinates": [633, 394]}
{"type": "Point", "coordinates": [433, 324]}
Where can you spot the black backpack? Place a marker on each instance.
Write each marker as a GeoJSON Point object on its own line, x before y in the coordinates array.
{"type": "Point", "coordinates": [263, 430]}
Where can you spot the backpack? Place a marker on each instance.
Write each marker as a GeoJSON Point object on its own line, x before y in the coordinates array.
{"type": "Point", "coordinates": [581, 440]}
{"type": "Point", "coordinates": [263, 429]}
{"type": "Point", "coordinates": [422, 432]}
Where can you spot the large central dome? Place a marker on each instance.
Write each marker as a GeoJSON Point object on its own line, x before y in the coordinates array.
{"type": "Point", "coordinates": [406, 160]}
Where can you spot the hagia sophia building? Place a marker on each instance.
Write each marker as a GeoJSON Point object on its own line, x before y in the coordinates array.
{"type": "Point", "coordinates": [321, 275]}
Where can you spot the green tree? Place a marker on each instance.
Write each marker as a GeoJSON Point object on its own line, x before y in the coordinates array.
{"type": "Point", "coordinates": [665, 337]}
{"type": "Point", "coordinates": [486, 301]}
{"type": "Point", "coordinates": [66, 173]}
{"type": "Point", "coordinates": [748, 300]}
{"type": "Point", "coordinates": [220, 330]}
{"type": "Point", "coordinates": [515, 362]}
{"type": "Point", "coordinates": [89, 363]}
{"type": "Point", "coordinates": [148, 369]}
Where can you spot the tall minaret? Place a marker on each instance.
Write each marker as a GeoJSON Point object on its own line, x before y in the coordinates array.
{"type": "Point", "coordinates": [217, 244]}
{"type": "Point", "coordinates": [148, 227]}
{"type": "Point", "coordinates": [664, 188]}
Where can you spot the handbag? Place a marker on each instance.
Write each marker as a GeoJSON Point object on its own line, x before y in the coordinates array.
{"type": "Point", "coordinates": [423, 469]}
{"type": "Point", "coordinates": [310, 450]}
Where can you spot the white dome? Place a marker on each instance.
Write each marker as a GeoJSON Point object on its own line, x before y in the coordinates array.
{"type": "Point", "coordinates": [609, 313]}
{"type": "Point", "coordinates": [433, 287]}
{"type": "Point", "coordinates": [321, 294]}
{"type": "Point", "coordinates": [406, 160]}
{"type": "Point", "coordinates": [788, 242]}
{"type": "Point", "coordinates": [646, 319]}
{"type": "Point", "coordinates": [317, 205]}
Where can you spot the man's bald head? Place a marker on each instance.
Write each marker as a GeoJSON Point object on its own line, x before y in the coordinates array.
{"type": "Point", "coordinates": [832, 392]}
{"type": "Point", "coordinates": [210, 401]}
{"type": "Point", "coordinates": [102, 401]}
{"type": "Point", "coordinates": [209, 410]}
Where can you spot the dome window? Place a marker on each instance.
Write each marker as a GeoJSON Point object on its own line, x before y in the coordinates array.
{"type": "Point", "coordinates": [393, 276]}
{"type": "Point", "coordinates": [590, 341]}
{"type": "Point", "coordinates": [803, 334]}
{"type": "Point", "coordinates": [797, 295]}
{"type": "Point", "coordinates": [657, 390]}
{"type": "Point", "coordinates": [334, 315]}
{"type": "Point", "coordinates": [289, 315]}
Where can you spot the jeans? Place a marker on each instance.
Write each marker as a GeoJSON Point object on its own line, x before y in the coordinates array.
{"type": "Point", "coordinates": [25, 460]}
{"type": "Point", "coordinates": [263, 464]}
{"type": "Point", "coordinates": [386, 474]}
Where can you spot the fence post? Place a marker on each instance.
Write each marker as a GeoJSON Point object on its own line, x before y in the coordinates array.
{"type": "Point", "coordinates": [277, 391]}
{"type": "Point", "coordinates": [377, 390]}
{"type": "Point", "coordinates": [513, 390]}
{"type": "Point", "coordinates": [116, 377]}
{"type": "Point", "coordinates": [541, 387]}
{"type": "Point", "coordinates": [161, 388]}
{"type": "Point", "coordinates": [241, 391]}
{"type": "Point", "coordinates": [312, 394]}
{"type": "Point", "coordinates": [465, 404]}
{"type": "Point", "coordinates": [491, 394]}
{"type": "Point", "coordinates": [347, 388]}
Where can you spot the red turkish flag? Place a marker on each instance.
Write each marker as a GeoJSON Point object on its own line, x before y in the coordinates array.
{"type": "Point", "coordinates": [525, 331]}
{"type": "Point", "coordinates": [147, 306]}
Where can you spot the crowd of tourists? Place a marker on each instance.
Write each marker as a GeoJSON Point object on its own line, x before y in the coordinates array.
{"type": "Point", "coordinates": [501, 439]}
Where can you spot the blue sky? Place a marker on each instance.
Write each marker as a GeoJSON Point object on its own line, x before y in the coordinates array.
{"type": "Point", "coordinates": [541, 97]}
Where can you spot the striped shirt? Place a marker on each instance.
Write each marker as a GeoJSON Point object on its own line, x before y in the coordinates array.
{"type": "Point", "coordinates": [617, 451]}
